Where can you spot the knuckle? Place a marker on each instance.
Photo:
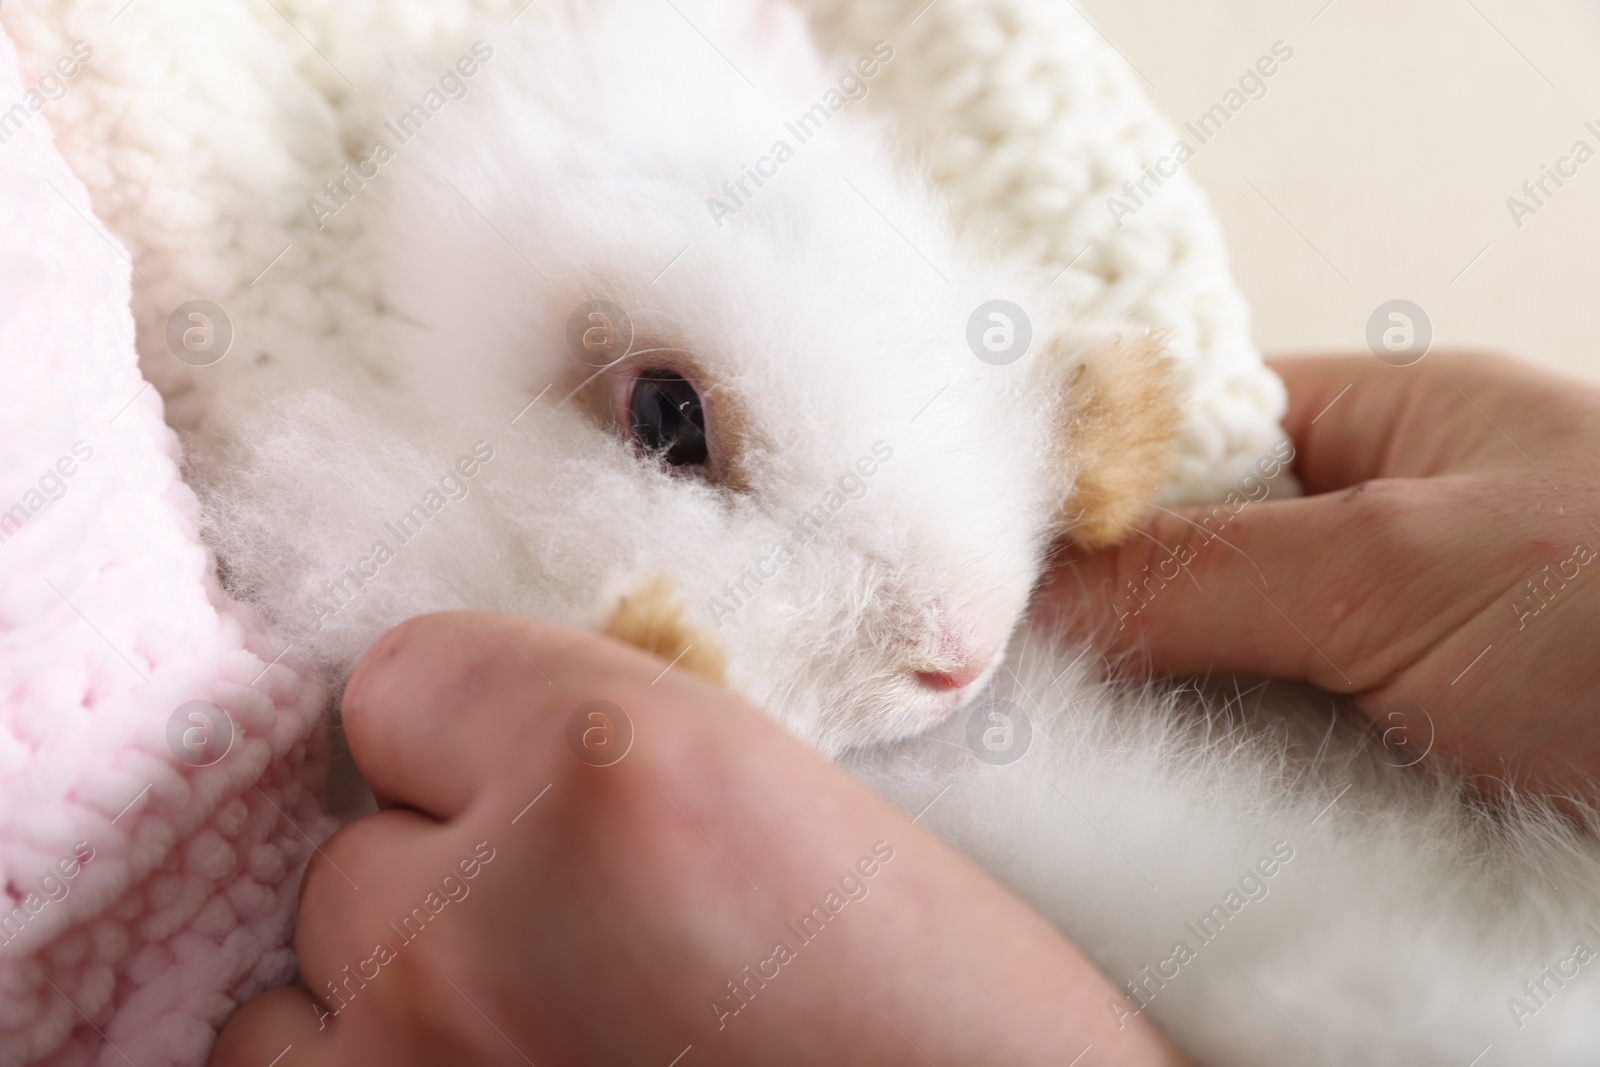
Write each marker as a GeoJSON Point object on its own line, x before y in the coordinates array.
{"type": "Point", "coordinates": [415, 660]}
{"type": "Point", "coordinates": [345, 851]}
{"type": "Point", "coordinates": [1384, 510]}
{"type": "Point", "coordinates": [379, 662]}
{"type": "Point", "coordinates": [347, 847]}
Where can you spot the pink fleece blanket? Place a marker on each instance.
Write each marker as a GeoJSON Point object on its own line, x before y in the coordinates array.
{"type": "Point", "coordinates": [158, 770]}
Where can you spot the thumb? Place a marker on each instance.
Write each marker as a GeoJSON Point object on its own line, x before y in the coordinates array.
{"type": "Point", "coordinates": [270, 1026]}
{"type": "Point", "coordinates": [1284, 588]}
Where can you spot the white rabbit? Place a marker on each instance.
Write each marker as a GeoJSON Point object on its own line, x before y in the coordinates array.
{"type": "Point", "coordinates": [676, 347]}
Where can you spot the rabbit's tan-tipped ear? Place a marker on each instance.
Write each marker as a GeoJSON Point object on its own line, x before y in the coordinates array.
{"type": "Point", "coordinates": [1122, 413]}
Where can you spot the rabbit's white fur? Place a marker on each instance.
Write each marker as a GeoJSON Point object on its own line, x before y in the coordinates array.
{"type": "Point", "coordinates": [821, 334]}
{"type": "Point", "coordinates": [825, 322]}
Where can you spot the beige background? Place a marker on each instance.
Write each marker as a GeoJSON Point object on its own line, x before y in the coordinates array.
{"type": "Point", "coordinates": [1391, 141]}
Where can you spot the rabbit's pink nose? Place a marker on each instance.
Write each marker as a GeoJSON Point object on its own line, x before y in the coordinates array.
{"type": "Point", "coordinates": [959, 678]}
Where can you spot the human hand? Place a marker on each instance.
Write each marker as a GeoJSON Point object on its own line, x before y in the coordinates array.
{"type": "Point", "coordinates": [533, 907]}
{"type": "Point", "coordinates": [1444, 561]}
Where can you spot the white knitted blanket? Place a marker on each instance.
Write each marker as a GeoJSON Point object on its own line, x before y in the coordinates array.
{"type": "Point", "coordinates": [1031, 122]}
{"type": "Point", "coordinates": [195, 133]}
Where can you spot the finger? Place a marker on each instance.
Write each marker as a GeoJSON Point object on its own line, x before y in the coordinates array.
{"type": "Point", "coordinates": [283, 1021]}
{"type": "Point", "coordinates": [1333, 589]}
{"type": "Point", "coordinates": [360, 880]}
{"type": "Point", "coordinates": [1343, 415]}
{"type": "Point", "coordinates": [445, 704]}
{"type": "Point", "coordinates": [415, 709]}
{"type": "Point", "coordinates": [1353, 418]}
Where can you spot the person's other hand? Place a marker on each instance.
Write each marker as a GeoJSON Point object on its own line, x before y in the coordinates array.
{"type": "Point", "coordinates": [1444, 559]}
{"type": "Point", "coordinates": [516, 903]}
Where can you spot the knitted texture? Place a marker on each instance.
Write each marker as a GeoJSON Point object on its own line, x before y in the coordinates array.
{"type": "Point", "coordinates": [198, 131]}
{"type": "Point", "coordinates": [1029, 122]}
{"type": "Point", "coordinates": [1022, 113]}
{"type": "Point", "coordinates": [144, 897]}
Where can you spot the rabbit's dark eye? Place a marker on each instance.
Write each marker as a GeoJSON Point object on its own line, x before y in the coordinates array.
{"type": "Point", "coordinates": [667, 419]}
